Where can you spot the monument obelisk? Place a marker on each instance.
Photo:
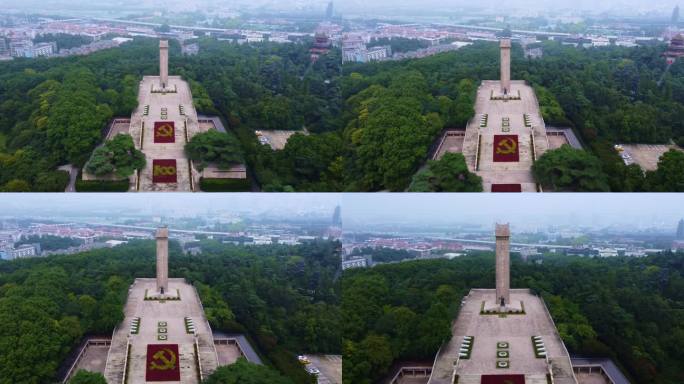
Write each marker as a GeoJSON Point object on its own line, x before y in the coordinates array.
{"type": "Point", "coordinates": [505, 66]}
{"type": "Point", "coordinates": [163, 64]}
{"type": "Point", "coordinates": [162, 237]}
{"type": "Point", "coordinates": [503, 236]}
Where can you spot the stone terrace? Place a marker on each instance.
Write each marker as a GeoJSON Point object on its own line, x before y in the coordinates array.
{"type": "Point", "coordinates": [482, 138]}
{"type": "Point", "coordinates": [517, 330]}
{"type": "Point", "coordinates": [142, 130]}
{"type": "Point", "coordinates": [151, 312]}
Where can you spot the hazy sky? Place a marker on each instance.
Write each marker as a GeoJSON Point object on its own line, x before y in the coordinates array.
{"type": "Point", "coordinates": [160, 204]}
{"type": "Point", "coordinates": [528, 210]}
{"type": "Point", "coordinates": [351, 6]}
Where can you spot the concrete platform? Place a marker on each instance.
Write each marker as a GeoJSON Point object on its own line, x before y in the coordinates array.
{"type": "Point", "coordinates": [94, 359]}
{"type": "Point", "coordinates": [516, 330]}
{"type": "Point", "coordinates": [330, 367]}
{"type": "Point", "coordinates": [150, 313]}
{"type": "Point", "coordinates": [478, 143]}
{"type": "Point", "coordinates": [186, 126]}
{"type": "Point", "coordinates": [646, 156]}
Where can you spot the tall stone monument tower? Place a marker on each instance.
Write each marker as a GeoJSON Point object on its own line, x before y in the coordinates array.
{"type": "Point", "coordinates": [505, 66]}
{"type": "Point", "coordinates": [163, 63]}
{"type": "Point", "coordinates": [162, 237]}
{"type": "Point", "coordinates": [503, 236]}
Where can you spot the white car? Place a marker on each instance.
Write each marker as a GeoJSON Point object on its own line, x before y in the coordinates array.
{"type": "Point", "coordinates": [313, 370]}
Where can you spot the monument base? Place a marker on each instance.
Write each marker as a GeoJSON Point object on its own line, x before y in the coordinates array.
{"type": "Point", "coordinates": [159, 89]}
{"type": "Point", "coordinates": [498, 95]}
{"type": "Point", "coordinates": [492, 307]}
{"type": "Point", "coordinates": [171, 294]}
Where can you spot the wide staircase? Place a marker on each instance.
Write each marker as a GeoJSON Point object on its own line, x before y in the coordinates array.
{"type": "Point", "coordinates": [116, 360]}
{"type": "Point", "coordinates": [207, 352]}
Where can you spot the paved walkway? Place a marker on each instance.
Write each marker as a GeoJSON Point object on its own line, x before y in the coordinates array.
{"type": "Point", "coordinates": [478, 145]}
{"type": "Point", "coordinates": [151, 312]}
{"type": "Point", "coordinates": [516, 330]}
{"type": "Point", "coordinates": [73, 175]}
{"type": "Point", "coordinates": [186, 126]}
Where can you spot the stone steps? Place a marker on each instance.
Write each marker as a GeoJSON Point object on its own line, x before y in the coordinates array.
{"type": "Point", "coordinates": [116, 360]}
{"type": "Point", "coordinates": [207, 352]}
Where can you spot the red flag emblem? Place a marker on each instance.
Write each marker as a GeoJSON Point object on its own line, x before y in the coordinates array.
{"type": "Point", "coordinates": [506, 149]}
{"type": "Point", "coordinates": [163, 362]}
{"type": "Point", "coordinates": [164, 171]}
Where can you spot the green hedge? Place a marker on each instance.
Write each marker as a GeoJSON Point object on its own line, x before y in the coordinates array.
{"type": "Point", "coordinates": [102, 186]}
{"type": "Point", "coordinates": [225, 185]}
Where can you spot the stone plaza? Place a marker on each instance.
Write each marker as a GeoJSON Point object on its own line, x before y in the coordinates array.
{"type": "Point", "coordinates": [161, 126]}
{"type": "Point", "coordinates": [165, 313]}
{"type": "Point", "coordinates": [502, 334]}
{"type": "Point", "coordinates": [507, 120]}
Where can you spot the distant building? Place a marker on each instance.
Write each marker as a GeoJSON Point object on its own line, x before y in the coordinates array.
{"type": "Point", "coordinates": [534, 52]}
{"type": "Point", "coordinates": [23, 251]}
{"type": "Point", "coordinates": [190, 49]}
{"type": "Point", "coordinates": [26, 48]}
{"type": "Point", "coordinates": [356, 262]}
{"type": "Point", "coordinates": [582, 252]}
{"type": "Point", "coordinates": [680, 230]}
{"type": "Point", "coordinates": [337, 217]}
{"type": "Point", "coordinates": [528, 252]}
{"type": "Point", "coordinates": [365, 55]}
{"type": "Point", "coordinates": [321, 46]}
{"type": "Point", "coordinates": [115, 243]}
{"type": "Point", "coordinates": [675, 50]}
{"type": "Point", "coordinates": [44, 49]}
{"type": "Point", "coordinates": [675, 15]}
{"type": "Point", "coordinates": [21, 47]}
{"type": "Point", "coordinates": [3, 47]}
{"type": "Point", "coordinates": [330, 11]}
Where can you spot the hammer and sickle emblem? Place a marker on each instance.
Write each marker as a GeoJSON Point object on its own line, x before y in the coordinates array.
{"type": "Point", "coordinates": [164, 171]}
{"type": "Point", "coordinates": [165, 131]}
{"type": "Point", "coordinates": [506, 147]}
{"type": "Point", "coordinates": [164, 360]}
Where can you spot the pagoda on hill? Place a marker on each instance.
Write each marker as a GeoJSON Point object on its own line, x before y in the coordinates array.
{"type": "Point", "coordinates": [320, 47]}
{"type": "Point", "coordinates": [675, 50]}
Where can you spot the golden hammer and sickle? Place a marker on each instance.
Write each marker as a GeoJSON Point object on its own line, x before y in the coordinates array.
{"type": "Point", "coordinates": [165, 131]}
{"type": "Point", "coordinates": [161, 362]}
{"type": "Point", "coordinates": [506, 147]}
{"type": "Point", "coordinates": [164, 171]}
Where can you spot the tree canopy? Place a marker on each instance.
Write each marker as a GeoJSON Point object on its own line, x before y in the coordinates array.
{"type": "Point", "coordinates": [449, 174]}
{"type": "Point", "coordinates": [284, 298]}
{"type": "Point", "coordinates": [213, 147]}
{"type": "Point", "coordinates": [570, 169]}
{"type": "Point", "coordinates": [624, 308]}
{"type": "Point", "coordinates": [85, 377]}
{"type": "Point", "coordinates": [371, 126]}
{"type": "Point", "coordinates": [243, 372]}
{"type": "Point", "coordinates": [117, 157]}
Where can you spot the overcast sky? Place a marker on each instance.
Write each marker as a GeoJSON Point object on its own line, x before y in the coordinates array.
{"type": "Point", "coordinates": [352, 6]}
{"type": "Point", "coordinates": [528, 210]}
{"type": "Point", "coordinates": [160, 204]}
{"type": "Point", "coordinates": [361, 210]}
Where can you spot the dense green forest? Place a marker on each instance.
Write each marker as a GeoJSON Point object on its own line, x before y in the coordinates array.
{"type": "Point", "coordinates": [606, 95]}
{"type": "Point", "coordinates": [53, 111]}
{"type": "Point", "coordinates": [370, 126]}
{"type": "Point", "coordinates": [629, 309]}
{"type": "Point", "coordinates": [284, 298]}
